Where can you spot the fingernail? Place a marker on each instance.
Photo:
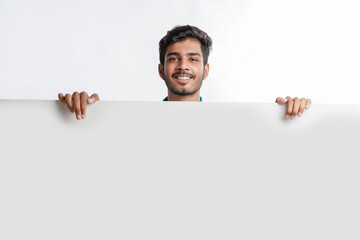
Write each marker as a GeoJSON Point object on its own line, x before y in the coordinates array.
{"type": "Point", "coordinates": [292, 118]}
{"type": "Point", "coordinates": [299, 114]}
{"type": "Point", "coordinates": [78, 117]}
{"type": "Point", "coordinates": [83, 116]}
{"type": "Point", "coordinates": [287, 116]}
{"type": "Point", "coordinates": [307, 106]}
{"type": "Point", "coordinates": [91, 100]}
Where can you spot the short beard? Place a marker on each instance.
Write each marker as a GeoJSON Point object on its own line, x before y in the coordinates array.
{"type": "Point", "coordinates": [184, 93]}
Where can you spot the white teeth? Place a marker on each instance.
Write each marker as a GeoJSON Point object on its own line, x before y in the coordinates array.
{"type": "Point", "coordinates": [183, 78]}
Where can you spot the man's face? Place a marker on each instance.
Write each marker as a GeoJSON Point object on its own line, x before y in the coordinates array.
{"type": "Point", "coordinates": [184, 70]}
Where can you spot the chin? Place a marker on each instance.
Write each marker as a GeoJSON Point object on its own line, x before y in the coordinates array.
{"type": "Point", "coordinates": [183, 92]}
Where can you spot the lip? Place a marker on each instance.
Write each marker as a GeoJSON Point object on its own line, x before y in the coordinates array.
{"type": "Point", "coordinates": [182, 81]}
{"type": "Point", "coordinates": [182, 78]}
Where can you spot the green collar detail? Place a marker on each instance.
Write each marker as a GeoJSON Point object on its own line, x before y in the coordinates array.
{"type": "Point", "coordinates": [166, 99]}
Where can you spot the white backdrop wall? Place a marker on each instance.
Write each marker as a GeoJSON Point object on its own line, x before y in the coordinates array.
{"type": "Point", "coordinates": [262, 48]}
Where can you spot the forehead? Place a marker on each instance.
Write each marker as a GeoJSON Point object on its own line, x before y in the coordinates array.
{"type": "Point", "coordinates": [189, 45]}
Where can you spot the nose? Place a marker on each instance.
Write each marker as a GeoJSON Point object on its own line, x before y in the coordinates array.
{"type": "Point", "coordinates": [182, 65]}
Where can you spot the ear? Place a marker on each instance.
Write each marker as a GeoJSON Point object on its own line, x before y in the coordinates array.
{"type": "Point", "coordinates": [161, 71]}
{"type": "Point", "coordinates": [206, 71]}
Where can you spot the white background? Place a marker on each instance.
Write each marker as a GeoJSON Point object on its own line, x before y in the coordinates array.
{"type": "Point", "coordinates": [262, 48]}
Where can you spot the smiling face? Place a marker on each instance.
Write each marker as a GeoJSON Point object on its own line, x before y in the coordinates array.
{"type": "Point", "coordinates": [183, 70]}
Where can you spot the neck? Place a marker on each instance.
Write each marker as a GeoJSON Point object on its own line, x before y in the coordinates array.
{"type": "Point", "coordinates": [193, 98]}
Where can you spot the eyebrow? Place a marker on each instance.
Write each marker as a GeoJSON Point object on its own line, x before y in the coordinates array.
{"type": "Point", "coordinates": [178, 54]}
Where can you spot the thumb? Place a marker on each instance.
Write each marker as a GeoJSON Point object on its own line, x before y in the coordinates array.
{"type": "Point", "coordinates": [281, 100]}
{"type": "Point", "coordinates": [93, 98]}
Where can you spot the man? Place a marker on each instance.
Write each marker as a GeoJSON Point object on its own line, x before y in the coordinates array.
{"type": "Point", "coordinates": [184, 53]}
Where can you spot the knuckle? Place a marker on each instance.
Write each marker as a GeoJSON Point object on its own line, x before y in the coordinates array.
{"type": "Point", "coordinates": [75, 97]}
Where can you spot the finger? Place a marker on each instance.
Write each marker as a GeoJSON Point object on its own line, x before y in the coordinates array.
{"type": "Point", "coordinates": [76, 101]}
{"type": "Point", "coordinates": [308, 103]}
{"type": "Point", "coordinates": [68, 102]}
{"type": "Point", "coordinates": [281, 100]}
{"type": "Point", "coordinates": [296, 108]}
{"type": "Point", "coordinates": [83, 101]}
{"type": "Point", "coordinates": [302, 106]}
{"type": "Point", "coordinates": [93, 98]}
{"type": "Point", "coordinates": [290, 105]}
{"type": "Point", "coordinates": [61, 98]}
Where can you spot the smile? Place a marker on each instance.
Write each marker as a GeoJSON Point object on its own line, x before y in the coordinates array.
{"type": "Point", "coordinates": [182, 78]}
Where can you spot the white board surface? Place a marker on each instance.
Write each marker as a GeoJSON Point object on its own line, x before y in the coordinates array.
{"type": "Point", "coordinates": [178, 170]}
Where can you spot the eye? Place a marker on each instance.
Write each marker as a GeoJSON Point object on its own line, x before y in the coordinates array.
{"type": "Point", "coordinates": [194, 60]}
{"type": "Point", "coordinates": [172, 59]}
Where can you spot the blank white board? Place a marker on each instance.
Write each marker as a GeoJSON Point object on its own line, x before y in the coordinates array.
{"type": "Point", "coordinates": [178, 170]}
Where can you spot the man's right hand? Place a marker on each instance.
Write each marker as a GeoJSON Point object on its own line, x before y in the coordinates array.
{"type": "Point", "coordinates": [77, 102]}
